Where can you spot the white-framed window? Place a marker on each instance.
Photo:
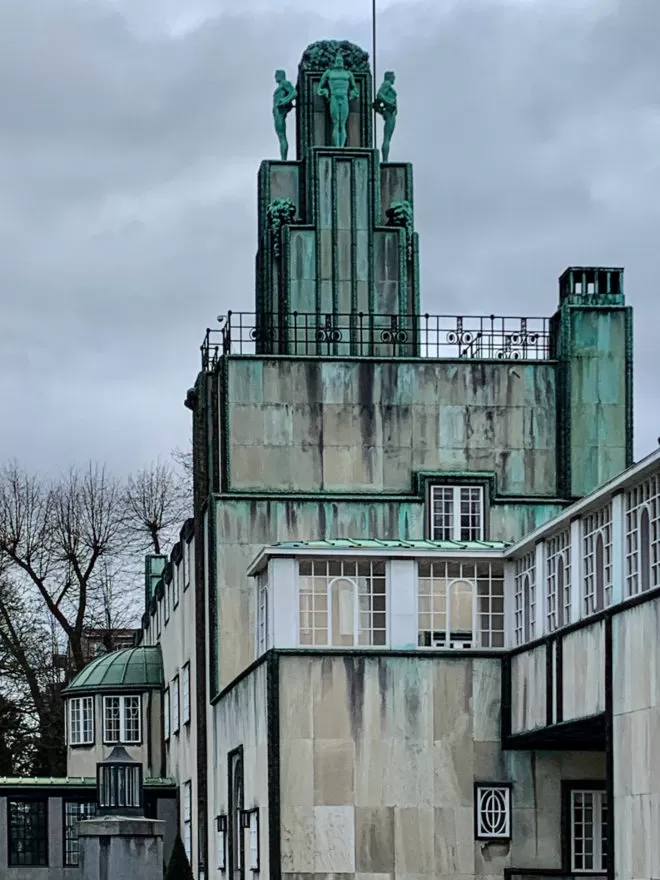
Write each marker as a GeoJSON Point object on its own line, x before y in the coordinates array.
{"type": "Point", "coordinates": [492, 806]}
{"type": "Point", "coordinates": [221, 842]}
{"type": "Point", "coordinates": [81, 721]}
{"type": "Point", "coordinates": [159, 612]}
{"type": "Point", "coordinates": [166, 713]}
{"type": "Point", "coordinates": [589, 831]}
{"type": "Point", "coordinates": [524, 598]}
{"type": "Point", "coordinates": [187, 817]}
{"type": "Point", "coordinates": [643, 536]}
{"type": "Point", "coordinates": [262, 613]}
{"type": "Point", "coordinates": [597, 549]}
{"type": "Point", "coordinates": [167, 600]}
{"type": "Point", "coordinates": [558, 579]}
{"type": "Point", "coordinates": [250, 826]}
{"type": "Point", "coordinates": [460, 604]}
{"type": "Point", "coordinates": [176, 581]}
{"type": "Point", "coordinates": [185, 693]}
{"type": "Point", "coordinates": [121, 719]}
{"type": "Point", "coordinates": [457, 513]}
{"type": "Point", "coordinates": [342, 602]}
{"type": "Point", "coordinates": [188, 562]}
{"type": "Point", "coordinates": [174, 696]}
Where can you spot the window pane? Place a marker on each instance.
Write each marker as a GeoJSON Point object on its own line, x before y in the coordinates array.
{"type": "Point", "coordinates": [111, 719]}
{"type": "Point", "coordinates": [131, 731]}
{"type": "Point", "coordinates": [75, 811]}
{"type": "Point", "coordinates": [28, 832]}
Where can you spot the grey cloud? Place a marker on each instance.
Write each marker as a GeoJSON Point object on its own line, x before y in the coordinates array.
{"type": "Point", "coordinates": [128, 169]}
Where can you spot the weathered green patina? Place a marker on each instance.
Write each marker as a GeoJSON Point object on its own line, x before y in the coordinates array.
{"type": "Point", "coordinates": [280, 213]}
{"type": "Point", "coordinates": [386, 105]}
{"type": "Point", "coordinates": [131, 669]}
{"type": "Point", "coordinates": [401, 214]}
{"type": "Point", "coordinates": [283, 99]}
{"type": "Point", "coordinates": [339, 88]}
{"type": "Point", "coordinates": [319, 56]}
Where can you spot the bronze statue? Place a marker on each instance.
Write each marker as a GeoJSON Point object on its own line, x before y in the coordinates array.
{"type": "Point", "coordinates": [338, 86]}
{"type": "Point", "coordinates": [283, 99]}
{"type": "Point", "coordinates": [385, 104]}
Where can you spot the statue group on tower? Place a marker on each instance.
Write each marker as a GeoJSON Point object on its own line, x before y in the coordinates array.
{"type": "Point", "coordinates": [339, 88]}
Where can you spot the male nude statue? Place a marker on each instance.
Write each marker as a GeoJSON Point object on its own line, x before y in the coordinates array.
{"type": "Point", "coordinates": [283, 99]}
{"type": "Point", "coordinates": [339, 88]}
{"type": "Point", "coordinates": [385, 104]}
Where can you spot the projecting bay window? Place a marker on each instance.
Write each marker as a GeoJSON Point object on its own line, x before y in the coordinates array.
{"type": "Point", "coordinates": [457, 513]}
{"type": "Point", "coordinates": [81, 721]}
{"type": "Point", "coordinates": [121, 720]}
{"type": "Point", "coordinates": [342, 603]}
{"type": "Point", "coordinates": [588, 825]}
{"type": "Point", "coordinates": [460, 604]}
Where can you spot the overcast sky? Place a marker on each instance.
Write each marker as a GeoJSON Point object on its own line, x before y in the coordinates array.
{"type": "Point", "coordinates": [130, 137]}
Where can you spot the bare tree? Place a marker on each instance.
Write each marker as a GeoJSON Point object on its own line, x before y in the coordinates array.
{"type": "Point", "coordinates": [57, 534]}
{"type": "Point", "coordinates": [30, 701]}
{"type": "Point", "coordinates": [156, 506]}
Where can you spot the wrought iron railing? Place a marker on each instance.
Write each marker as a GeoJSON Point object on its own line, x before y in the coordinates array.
{"type": "Point", "coordinates": [359, 334]}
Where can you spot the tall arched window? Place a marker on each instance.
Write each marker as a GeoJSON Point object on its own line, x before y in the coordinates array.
{"type": "Point", "coordinates": [460, 604]}
{"type": "Point", "coordinates": [599, 574]}
{"type": "Point", "coordinates": [560, 590]}
{"type": "Point", "coordinates": [342, 612]}
{"type": "Point", "coordinates": [527, 596]}
{"type": "Point", "coordinates": [644, 549]}
{"type": "Point", "coordinates": [460, 620]}
{"type": "Point", "coordinates": [236, 792]}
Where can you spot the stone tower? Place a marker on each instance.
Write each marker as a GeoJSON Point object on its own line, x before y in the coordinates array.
{"type": "Point", "coordinates": [345, 271]}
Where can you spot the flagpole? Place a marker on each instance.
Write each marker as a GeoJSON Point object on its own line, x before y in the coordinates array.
{"type": "Point", "coordinates": [373, 60]}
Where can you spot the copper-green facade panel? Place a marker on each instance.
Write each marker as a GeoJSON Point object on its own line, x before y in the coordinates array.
{"type": "Point", "coordinates": [595, 392]}
{"type": "Point", "coordinates": [325, 426]}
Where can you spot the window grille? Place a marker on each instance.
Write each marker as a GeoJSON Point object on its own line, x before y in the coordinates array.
{"type": "Point", "coordinates": [28, 832]}
{"type": "Point", "coordinates": [597, 547]}
{"type": "Point", "coordinates": [524, 598]}
{"type": "Point", "coordinates": [121, 719]}
{"type": "Point", "coordinates": [493, 812]}
{"type": "Point", "coordinates": [558, 579]}
{"type": "Point", "coordinates": [185, 693]}
{"type": "Point", "coordinates": [174, 697]}
{"type": "Point", "coordinates": [589, 831]}
{"type": "Point", "coordinates": [81, 721]}
{"type": "Point", "coordinates": [342, 602]}
{"type": "Point", "coordinates": [460, 604]}
{"type": "Point", "coordinates": [74, 812]}
{"type": "Point", "coordinates": [262, 613]}
{"type": "Point", "coordinates": [643, 537]}
{"type": "Point", "coordinates": [457, 513]}
{"type": "Point", "coordinates": [187, 817]}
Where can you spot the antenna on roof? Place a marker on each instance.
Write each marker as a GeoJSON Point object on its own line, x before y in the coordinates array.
{"type": "Point", "coordinates": [373, 57]}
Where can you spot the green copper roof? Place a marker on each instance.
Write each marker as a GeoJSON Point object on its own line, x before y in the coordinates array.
{"type": "Point", "coordinates": [74, 782]}
{"type": "Point", "coordinates": [372, 544]}
{"type": "Point", "coordinates": [134, 668]}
